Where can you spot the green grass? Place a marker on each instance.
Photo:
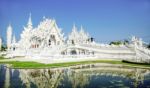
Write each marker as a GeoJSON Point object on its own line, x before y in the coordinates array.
{"type": "Point", "coordinates": [17, 64]}
{"type": "Point", "coordinates": [2, 58]}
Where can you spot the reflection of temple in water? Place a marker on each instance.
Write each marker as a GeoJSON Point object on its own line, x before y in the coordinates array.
{"type": "Point", "coordinates": [76, 78]}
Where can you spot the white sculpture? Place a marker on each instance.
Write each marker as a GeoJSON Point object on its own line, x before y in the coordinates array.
{"type": "Point", "coordinates": [137, 42]}
{"type": "Point", "coordinates": [9, 36]}
{"type": "Point", "coordinates": [76, 37]}
{"type": "Point", "coordinates": [84, 37]}
{"type": "Point", "coordinates": [73, 37]}
{"type": "Point", "coordinates": [14, 40]}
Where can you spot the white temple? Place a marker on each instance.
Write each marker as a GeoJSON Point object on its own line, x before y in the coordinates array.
{"type": "Point", "coordinates": [47, 41]}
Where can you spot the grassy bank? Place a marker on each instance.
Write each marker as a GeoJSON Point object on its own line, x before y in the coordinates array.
{"type": "Point", "coordinates": [2, 58]}
{"type": "Point", "coordinates": [17, 64]}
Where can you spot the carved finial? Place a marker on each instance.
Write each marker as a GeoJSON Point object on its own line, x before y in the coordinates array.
{"type": "Point", "coordinates": [81, 28]}
{"type": "Point", "coordinates": [74, 28]}
{"type": "Point", "coordinates": [14, 39]}
{"type": "Point", "coordinates": [44, 17]}
{"type": "Point", "coordinates": [30, 20]}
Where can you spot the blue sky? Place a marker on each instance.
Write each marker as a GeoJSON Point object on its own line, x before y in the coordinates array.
{"type": "Point", "coordinates": [105, 20]}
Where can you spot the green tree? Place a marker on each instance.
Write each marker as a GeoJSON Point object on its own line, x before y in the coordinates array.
{"type": "Point", "coordinates": [115, 43]}
{"type": "Point", "coordinates": [4, 47]}
{"type": "Point", "coordinates": [148, 46]}
{"type": "Point", "coordinates": [126, 41]}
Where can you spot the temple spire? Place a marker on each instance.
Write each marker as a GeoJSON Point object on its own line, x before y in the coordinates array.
{"type": "Point", "coordinates": [81, 30]}
{"type": "Point", "coordinates": [74, 29]}
{"type": "Point", "coordinates": [9, 36]}
{"type": "Point", "coordinates": [14, 39]}
{"type": "Point", "coordinates": [44, 17]}
{"type": "Point", "coordinates": [29, 24]}
{"type": "Point", "coordinates": [30, 21]}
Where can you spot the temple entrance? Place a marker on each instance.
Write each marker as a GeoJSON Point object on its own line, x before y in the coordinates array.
{"type": "Point", "coordinates": [52, 40]}
{"type": "Point", "coordinates": [14, 48]}
{"type": "Point", "coordinates": [72, 42]}
{"type": "Point", "coordinates": [73, 52]}
{"type": "Point", "coordinates": [49, 43]}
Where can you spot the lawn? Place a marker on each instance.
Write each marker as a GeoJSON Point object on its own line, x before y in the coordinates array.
{"type": "Point", "coordinates": [2, 58]}
{"type": "Point", "coordinates": [18, 64]}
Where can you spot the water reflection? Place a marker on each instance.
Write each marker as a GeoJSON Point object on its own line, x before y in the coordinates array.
{"type": "Point", "coordinates": [75, 77]}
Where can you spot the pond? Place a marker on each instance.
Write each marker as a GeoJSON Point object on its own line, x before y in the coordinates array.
{"type": "Point", "coordinates": [95, 76]}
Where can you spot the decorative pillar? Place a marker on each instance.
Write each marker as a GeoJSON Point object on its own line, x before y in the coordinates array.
{"type": "Point", "coordinates": [9, 37]}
